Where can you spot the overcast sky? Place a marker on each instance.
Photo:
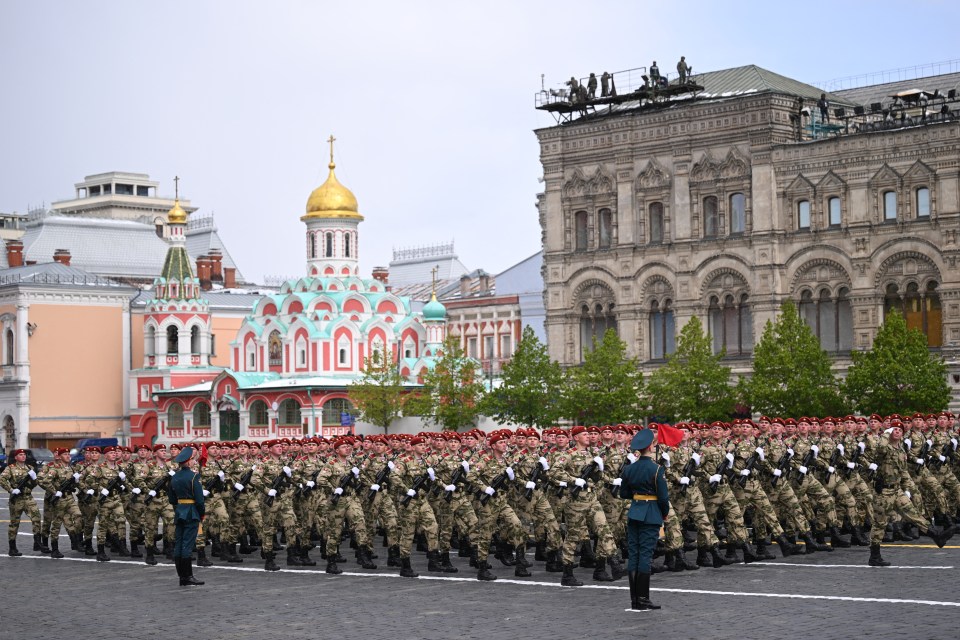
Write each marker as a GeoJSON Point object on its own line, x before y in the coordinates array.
{"type": "Point", "coordinates": [431, 102]}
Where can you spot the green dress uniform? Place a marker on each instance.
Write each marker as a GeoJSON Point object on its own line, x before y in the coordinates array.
{"type": "Point", "coordinates": [186, 495]}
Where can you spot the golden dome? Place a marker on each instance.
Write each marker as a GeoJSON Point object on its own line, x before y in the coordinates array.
{"type": "Point", "coordinates": [332, 200]}
{"type": "Point", "coordinates": [177, 215]}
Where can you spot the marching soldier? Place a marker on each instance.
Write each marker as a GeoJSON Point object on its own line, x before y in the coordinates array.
{"type": "Point", "coordinates": [18, 479]}
{"type": "Point", "coordinates": [59, 480]}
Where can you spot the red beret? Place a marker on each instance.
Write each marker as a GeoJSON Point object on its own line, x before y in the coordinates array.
{"type": "Point", "coordinates": [60, 451]}
{"type": "Point", "coordinates": [17, 452]}
{"type": "Point", "coordinates": [417, 440]}
{"type": "Point", "coordinates": [110, 448]}
{"type": "Point", "coordinates": [495, 438]}
{"type": "Point", "coordinates": [92, 448]}
{"type": "Point", "coordinates": [577, 430]}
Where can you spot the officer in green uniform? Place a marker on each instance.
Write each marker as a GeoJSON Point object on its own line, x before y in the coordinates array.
{"type": "Point", "coordinates": [186, 495]}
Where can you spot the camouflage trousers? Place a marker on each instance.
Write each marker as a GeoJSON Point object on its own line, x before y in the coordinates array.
{"type": "Point", "coordinates": [216, 523]}
{"type": "Point", "coordinates": [305, 509]}
{"type": "Point", "coordinates": [88, 510]}
{"type": "Point", "coordinates": [497, 515]}
{"type": "Point", "coordinates": [812, 495]}
{"type": "Point", "coordinates": [765, 518]}
{"type": "Point", "coordinates": [864, 496]}
{"type": "Point", "coordinates": [843, 497]}
{"type": "Point", "coordinates": [615, 510]}
{"type": "Point", "coordinates": [934, 497]}
{"type": "Point", "coordinates": [545, 526]}
{"type": "Point", "coordinates": [688, 505]}
{"type": "Point", "coordinates": [133, 508]}
{"type": "Point", "coordinates": [245, 515]}
{"type": "Point", "coordinates": [18, 506]}
{"type": "Point", "coordinates": [63, 512]}
{"type": "Point", "coordinates": [158, 510]}
{"type": "Point", "coordinates": [382, 511]}
{"type": "Point", "coordinates": [890, 504]}
{"type": "Point", "coordinates": [724, 500]}
{"type": "Point", "coordinates": [417, 515]}
{"type": "Point", "coordinates": [276, 516]}
{"type": "Point", "coordinates": [584, 516]}
{"type": "Point", "coordinates": [112, 520]}
{"type": "Point", "coordinates": [347, 510]}
{"type": "Point", "coordinates": [951, 488]}
{"type": "Point", "coordinates": [787, 506]}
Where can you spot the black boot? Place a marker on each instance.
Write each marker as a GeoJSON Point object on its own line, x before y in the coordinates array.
{"type": "Point", "coordinates": [44, 544]}
{"type": "Point", "coordinates": [149, 558]}
{"type": "Point", "coordinates": [332, 567]}
{"type": "Point", "coordinates": [55, 549]}
{"type": "Point", "coordinates": [505, 554]}
{"type": "Point", "coordinates": [168, 549]}
{"type": "Point", "coordinates": [715, 556]}
{"type": "Point", "coordinates": [445, 563]}
{"type": "Point", "coordinates": [681, 560]}
{"type": "Point", "coordinates": [88, 547]}
{"type": "Point", "coordinates": [464, 550]}
{"type": "Point", "coordinates": [393, 556]}
{"type": "Point", "coordinates": [748, 553]}
{"type": "Point", "coordinates": [102, 554]}
{"type": "Point", "coordinates": [484, 573]}
{"type": "Point", "coordinates": [406, 571]}
{"type": "Point", "coordinates": [364, 559]}
{"type": "Point", "coordinates": [202, 560]}
{"type": "Point", "coordinates": [122, 547]}
{"type": "Point", "coordinates": [553, 562]}
{"type": "Point", "coordinates": [787, 549]}
{"type": "Point", "coordinates": [540, 555]}
{"type": "Point", "coordinates": [762, 553]}
{"type": "Point", "coordinates": [858, 538]}
{"type": "Point", "coordinates": [40, 544]}
{"type": "Point", "coordinates": [731, 556]}
{"type": "Point", "coordinates": [245, 547]}
{"type": "Point", "coordinates": [616, 567]}
{"type": "Point", "coordinates": [13, 549]}
{"type": "Point", "coordinates": [568, 579]}
{"type": "Point", "coordinates": [600, 573]}
{"type": "Point", "coordinates": [588, 560]}
{"type": "Point", "coordinates": [811, 545]}
{"type": "Point", "coordinates": [305, 558]}
{"type": "Point", "coordinates": [76, 541]}
{"type": "Point", "coordinates": [643, 592]}
{"type": "Point", "coordinates": [229, 553]}
{"type": "Point", "coordinates": [836, 540]}
{"type": "Point", "coordinates": [134, 550]}
{"type": "Point", "coordinates": [939, 535]}
{"type": "Point", "coordinates": [670, 561]}
{"type": "Point", "coordinates": [277, 544]}
{"type": "Point", "coordinates": [522, 569]}
{"type": "Point", "coordinates": [632, 579]}
{"type": "Point", "coordinates": [876, 560]}
{"type": "Point", "coordinates": [703, 557]}
{"type": "Point", "coordinates": [293, 556]}
{"type": "Point", "coordinates": [271, 561]}
{"type": "Point", "coordinates": [187, 580]}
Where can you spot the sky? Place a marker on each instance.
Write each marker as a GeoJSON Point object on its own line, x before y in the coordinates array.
{"type": "Point", "coordinates": [431, 102]}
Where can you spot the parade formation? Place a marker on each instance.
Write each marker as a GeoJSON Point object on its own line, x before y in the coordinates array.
{"type": "Point", "coordinates": [809, 484]}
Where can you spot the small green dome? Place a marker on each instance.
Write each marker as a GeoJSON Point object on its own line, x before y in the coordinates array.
{"type": "Point", "coordinates": [434, 310]}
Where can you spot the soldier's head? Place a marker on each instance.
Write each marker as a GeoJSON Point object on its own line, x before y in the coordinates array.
{"type": "Point", "coordinates": [162, 455]}
{"type": "Point", "coordinates": [896, 433]}
{"type": "Point", "coordinates": [563, 439]}
{"type": "Point", "coordinates": [717, 431]}
{"type": "Point", "coordinates": [91, 454]}
{"type": "Point", "coordinates": [622, 436]}
{"type": "Point", "coordinates": [606, 434]}
{"type": "Point", "coordinates": [533, 439]}
{"type": "Point", "coordinates": [112, 454]}
{"type": "Point", "coordinates": [499, 444]}
{"type": "Point", "coordinates": [274, 448]}
{"type": "Point", "coordinates": [418, 445]}
{"type": "Point", "coordinates": [581, 436]}
{"type": "Point", "coordinates": [344, 448]}
{"type": "Point", "coordinates": [828, 427]}
{"type": "Point", "coordinates": [20, 455]}
{"type": "Point", "coordinates": [776, 428]}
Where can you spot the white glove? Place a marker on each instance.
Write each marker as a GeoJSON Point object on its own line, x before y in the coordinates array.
{"type": "Point", "coordinates": [452, 487]}
{"type": "Point", "coordinates": [666, 456]}
{"type": "Point", "coordinates": [815, 449]}
{"type": "Point", "coordinates": [510, 473]}
{"type": "Point", "coordinates": [843, 451]}
{"type": "Point", "coordinates": [684, 480]}
{"type": "Point", "coordinates": [777, 473]}
{"type": "Point", "coordinates": [543, 463]}
{"type": "Point", "coordinates": [759, 452]}
{"type": "Point", "coordinates": [790, 452]}
{"type": "Point", "coordinates": [618, 482]}
{"type": "Point", "coordinates": [76, 477]}
{"type": "Point", "coordinates": [888, 431]}
{"type": "Point", "coordinates": [632, 458]}
{"type": "Point", "coordinates": [33, 474]}
{"type": "Point", "coordinates": [206, 493]}
{"type": "Point", "coordinates": [489, 491]}
{"type": "Point", "coordinates": [729, 458]}
{"type": "Point", "coordinates": [696, 457]}
{"type": "Point", "coordinates": [356, 472]}
{"type": "Point", "coordinates": [714, 479]}
{"type": "Point", "coordinates": [287, 471]}
{"type": "Point", "coordinates": [337, 492]}
{"type": "Point", "coordinates": [908, 494]}
{"type": "Point", "coordinates": [562, 484]}
{"type": "Point", "coordinates": [930, 443]}
{"type": "Point", "coordinates": [104, 492]}
{"type": "Point", "coordinates": [311, 484]}
{"type": "Point", "coordinates": [831, 469]}
{"type": "Point", "coordinates": [273, 492]}
{"type": "Point", "coordinates": [375, 487]}
{"type": "Point", "coordinates": [433, 474]}
{"type": "Point", "coordinates": [171, 473]}
{"type": "Point", "coordinates": [952, 440]}
{"type": "Point", "coordinates": [908, 442]}
{"type": "Point", "coordinates": [530, 485]}
{"type": "Point", "coordinates": [802, 470]}
{"type": "Point", "coordinates": [851, 465]}
{"type": "Point", "coordinates": [411, 493]}
{"type": "Point", "coordinates": [221, 476]}
{"type": "Point", "coordinates": [15, 492]}
{"type": "Point", "coordinates": [942, 458]}
{"type": "Point", "coordinates": [599, 462]}
{"type": "Point", "coordinates": [238, 486]}
{"type": "Point", "coordinates": [580, 482]}
{"type": "Point", "coordinates": [390, 465]}
{"type": "Point", "coordinates": [745, 473]}
{"type": "Point", "coordinates": [90, 492]}
{"type": "Point", "coordinates": [122, 475]}
{"type": "Point", "coordinates": [873, 466]}
{"type": "Point", "coordinates": [862, 446]}
{"type": "Point", "coordinates": [136, 491]}
{"type": "Point", "coordinates": [58, 494]}
{"type": "Point", "coordinates": [919, 461]}
{"type": "Point", "coordinates": [466, 466]}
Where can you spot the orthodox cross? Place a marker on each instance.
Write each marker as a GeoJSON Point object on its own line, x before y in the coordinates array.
{"type": "Point", "coordinates": [433, 278]}
{"type": "Point", "coordinates": [176, 187]}
{"type": "Point", "coordinates": [331, 140]}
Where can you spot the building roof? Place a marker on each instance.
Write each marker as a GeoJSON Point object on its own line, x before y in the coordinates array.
{"type": "Point", "coordinates": [415, 266]}
{"type": "Point", "coordinates": [202, 238]}
{"type": "Point", "coordinates": [55, 273]}
{"type": "Point", "coordinates": [883, 92]}
{"type": "Point", "coordinates": [753, 79]}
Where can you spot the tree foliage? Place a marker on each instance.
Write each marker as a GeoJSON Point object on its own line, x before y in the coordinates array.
{"type": "Point", "coordinates": [530, 389]}
{"type": "Point", "coordinates": [693, 384]}
{"type": "Point", "coordinates": [379, 394]}
{"type": "Point", "coordinates": [608, 386]}
{"type": "Point", "coordinates": [898, 374]}
{"type": "Point", "coordinates": [452, 390]}
{"type": "Point", "coordinates": [792, 374]}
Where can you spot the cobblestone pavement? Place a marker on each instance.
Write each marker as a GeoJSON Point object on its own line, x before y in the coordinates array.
{"type": "Point", "coordinates": [822, 596]}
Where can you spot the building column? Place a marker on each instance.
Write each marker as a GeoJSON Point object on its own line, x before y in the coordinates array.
{"type": "Point", "coordinates": [22, 373]}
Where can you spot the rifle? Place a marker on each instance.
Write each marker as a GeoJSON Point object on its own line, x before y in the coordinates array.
{"type": "Point", "coordinates": [722, 469]}
{"type": "Point", "coordinates": [924, 450]}
{"type": "Point", "coordinates": [380, 478]}
{"type": "Point", "coordinates": [534, 476]}
{"type": "Point", "coordinates": [158, 486]}
{"type": "Point", "coordinates": [807, 461]}
{"type": "Point", "coordinates": [834, 459]}
{"type": "Point", "coordinates": [782, 464]}
{"type": "Point", "coordinates": [688, 470]}
{"type": "Point", "coordinates": [457, 476]}
{"type": "Point", "coordinates": [276, 485]}
{"type": "Point", "coordinates": [614, 489]}
{"type": "Point", "coordinates": [751, 463]}
{"type": "Point", "coordinates": [417, 485]}
{"type": "Point", "coordinates": [498, 482]}
{"type": "Point", "coordinates": [855, 458]}
{"type": "Point", "coordinates": [111, 487]}
{"type": "Point", "coordinates": [24, 482]}
{"type": "Point", "coordinates": [345, 483]}
{"type": "Point", "coordinates": [244, 480]}
{"type": "Point", "coordinates": [304, 490]}
{"type": "Point", "coordinates": [67, 486]}
{"type": "Point", "coordinates": [587, 471]}
{"type": "Point", "coordinates": [213, 484]}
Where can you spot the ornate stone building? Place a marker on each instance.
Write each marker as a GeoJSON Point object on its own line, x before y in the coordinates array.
{"type": "Point", "coordinates": [724, 204]}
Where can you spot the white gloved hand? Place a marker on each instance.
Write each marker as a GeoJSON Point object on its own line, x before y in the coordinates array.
{"type": "Point", "coordinates": [104, 492]}
{"type": "Point", "coordinates": [433, 474]}
{"type": "Point", "coordinates": [580, 482]}
{"type": "Point", "coordinates": [238, 486]}
{"type": "Point", "coordinates": [908, 442]}
{"type": "Point", "coordinates": [530, 485]}
{"type": "Point", "coordinates": [790, 452]}
{"type": "Point", "coordinates": [510, 473]}
{"type": "Point", "coordinates": [831, 469]}
{"type": "Point", "coordinates": [411, 493]}
{"type": "Point", "coordinates": [618, 482]}
{"type": "Point", "coordinates": [562, 484]}
{"type": "Point", "coordinates": [908, 494]}
{"type": "Point", "coordinates": [666, 456]}
{"type": "Point", "coordinates": [171, 473]}
{"type": "Point", "coordinates": [953, 441]}
{"type": "Point", "coordinates": [919, 461]}
{"type": "Point", "coordinates": [543, 463]}
{"type": "Point", "coordinates": [206, 494]}
{"type": "Point", "coordinates": [632, 458]}
{"type": "Point", "coordinates": [815, 449]}
{"type": "Point", "coordinates": [759, 452]}
{"type": "Point", "coordinates": [356, 472]}
{"type": "Point", "coordinates": [851, 465]}
{"type": "Point", "coordinates": [843, 451]}
{"type": "Point", "coordinates": [888, 431]}
{"type": "Point", "coordinates": [311, 484]}
{"type": "Point", "coordinates": [489, 491]}
{"type": "Point", "coordinates": [802, 470]}
{"type": "Point", "coordinates": [58, 494]}
{"type": "Point", "coordinates": [76, 477]}
{"type": "Point", "coordinates": [729, 458]}
{"type": "Point", "coordinates": [122, 475]}
{"type": "Point", "coordinates": [714, 479]}
{"type": "Point", "coordinates": [873, 466]}
{"type": "Point", "coordinates": [777, 473]}
{"type": "Point", "coordinates": [15, 492]}
{"type": "Point", "coordinates": [684, 480]}
{"type": "Point", "coordinates": [696, 457]}
{"type": "Point", "coordinates": [287, 471]}
{"type": "Point", "coordinates": [466, 466]}
{"type": "Point", "coordinates": [930, 443]}
{"type": "Point", "coordinates": [375, 487]}
{"type": "Point", "coordinates": [136, 491]}
{"type": "Point", "coordinates": [599, 462]}
{"type": "Point", "coordinates": [33, 474]}
{"type": "Point", "coordinates": [450, 488]}
{"type": "Point", "coordinates": [273, 492]}
{"type": "Point", "coordinates": [390, 465]}
{"type": "Point", "coordinates": [942, 458]}
{"type": "Point", "coordinates": [221, 476]}
{"type": "Point", "coordinates": [862, 446]}
{"type": "Point", "coordinates": [745, 473]}
{"type": "Point", "coordinates": [90, 492]}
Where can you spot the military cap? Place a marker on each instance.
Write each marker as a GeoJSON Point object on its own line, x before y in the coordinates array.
{"type": "Point", "coordinates": [60, 450]}
{"type": "Point", "coordinates": [495, 438]}
{"type": "Point", "coordinates": [642, 440]}
{"type": "Point", "coordinates": [92, 448]}
{"type": "Point", "coordinates": [577, 430]}
{"type": "Point", "coordinates": [110, 448]}
{"type": "Point", "coordinates": [17, 452]}
{"type": "Point", "coordinates": [417, 440]}
{"type": "Point", "coordinates": [185, 454]}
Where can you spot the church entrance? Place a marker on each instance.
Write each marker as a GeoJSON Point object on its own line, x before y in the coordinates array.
{"type": "Point", "coordinates": [230, 424]}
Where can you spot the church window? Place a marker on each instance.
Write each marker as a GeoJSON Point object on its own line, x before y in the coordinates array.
{"type": "Point", "coordinates": [662, 330]}
{"type": "Point", "coordinates": [150, 341]}
{"type": "Point", "coordinates": [8, 347]}
{"type": "Point", "coordinates": [833, 209]}
{"type": "Point", "coordinates": [175, 416]}
{"type": "Point", "coordinates": [580, 222]}
{"type": "Point", "coordinates": [738, 213]}
{"type": "Point", "coordinates": [923, 202]}
{"type": "Point", "coordinates": [606, 228]}
{"type": "Point", "coordinates": [276, 349]}
{"type": "Point", "coordinates": [258, 414]}
{"type": "Point", "coordinates": [711, 217]}
{"type": "Point", "coordinates": [333, 410]}
{"type": "Point", "coordinates": [656, 223]}
{"type": "Point", "coordinates": [313, 246]}
{"type": "Point", "coordinates": [346, 245]}
{"type": "Point", "coordinates": [201, 415]}
{"type": "Point", "coordinates": [803, 214]}
{"type": "Point", "coordinates": [328, 245]}
{"type": "Point", "coordinates": [288, 414]}
{"type": "Point", "coordinates": [301, 352]}
{"type": "Point", "coordinates": [731, 325]}
{"type": "Point", "coordinates": [195, 340]}
{"type": "Point", "coordinates": [595, 321]}
{"type": "Point", "coordinates": [889, 205]}
{"type": "Point", "coordinates": [173, 337]}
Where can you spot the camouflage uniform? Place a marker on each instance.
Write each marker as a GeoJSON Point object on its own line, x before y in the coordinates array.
{"type": "Point", "coordinates": [112, 519]}
{"type": "Point", "coordinates": [156, 507]}
{"type": "Point", "coordinates": [583, 513]}
{"type": "Point", "coordinates": [414, 514]}
{"type": "Point", "coordinates": [339, 479]}
{"type": "Point", "coordinates": [20, 502]}
{"type": "Point", "coordinates": [62, 509]}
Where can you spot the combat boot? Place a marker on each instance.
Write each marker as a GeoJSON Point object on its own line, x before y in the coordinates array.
{"type": "Point", "coordinates": [245, 547]}
{"type": "Point", "coordinates": [836, 540]}
{"type": "Point", "coordinates": [643, 593]}
{"type": "Point", "coordinates": [540, 555]}
{"type": "Point", "coordinates": [149, 558]}
{"type": "Point", "coordinates": [293, 556]}
{"type": "Point", "coordinates": [271, 562]}
{"type": "Point", "coordinates": [44, 544]}
{"type": "Point", "coordinates": [681, 560]}
{"type": "Point", "coordinates": [748, 553]}
{"type": "Point", "coordinates": [715, 556]}
{"type": "Point", "coordinates": [88, 547]}
{"type": "Point", "coordinates": [464, 550]}
{"type": "Point", "coordinates": [588, 560]}
{"type": "Point", "coordinates": [134, 550]}
{"type": "Point", "coordinates": [484, 573]}
{"type": "Point", "coordinates": [616, 566]}
{"type": "Point", "coordinates": [731, 556]}
{"type": "Point", "coordinates": [522, 570]}
{"type": "Point", "coordinates": [393, 556]}
{"type": "Point", "coordinates": [553, 562]}
{"type": "Point", "coordinates": [13, 549]}
{"type": "Point", "coordinates": [202, 560]}
{"type": "Point", "coordinates": [812, 545]}
{"type": "Point", "coordinates": [858, 538]}
{"type": "Point", "coordinates": [55, 549]}
{"type": "Point", "coordinates": [332, 567]}
{"type": "Point", "coordinates": [762, 553]}
{"type": "Point", "coordinates": [406, 571]}
{"type": "Point", "coordinates": [787, 548]}
{"type": "Point", "coordinates": [229, 553]}
{"type": "Point", "coordinates": [445, 563]}
{"type": "Point", "coordinates": [102, 553]}
{"type": "Point", "coordinates": [168, 549]}
{"type": "Point", "coordinates": [76, 541]}
{"type": "Point", "coordinates": [505, 554]}
{"type": "Point", "coordinates": [876, 560]}
{"type": "Point", "coordinates": [364, 559]}
{"type": "Point", "coordinates": [122, 547]}
{"type": "Point", "coordinates": [600, 572]}
{"type": "Point", "coordinates": [568, 579]}
{"type": "Point", "coordinates": [305, 558]}
{"type": "Point", "coordinates": [40, 544]}
{"type": "Point", "coordinates": [703, 557]}
{"type": "Point", "coordinates": [670, 561]}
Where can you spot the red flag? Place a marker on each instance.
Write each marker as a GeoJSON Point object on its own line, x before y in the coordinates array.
{"type": "Point", "coordinates": [669, 436]}
{"type": "Point", "coordinates": [203, 454]}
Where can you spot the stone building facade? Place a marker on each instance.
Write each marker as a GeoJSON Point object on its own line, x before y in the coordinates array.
{"type": "Point", "coordinates": [725, 205]}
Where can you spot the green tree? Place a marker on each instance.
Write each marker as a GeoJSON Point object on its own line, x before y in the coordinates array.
{"type": "Point", "coordinates": [792, 375]}
{"type": "Point", "coordinates": [693, 384]}
{"type": "Point", "coordinates": [452, 390]}
{"type": "Point", "coordinates": [379, 394]}
{"type": "Point", "coordinates": [898, 374]}
{"type": "Point", "coordinates": [530, 389]}
{"type": "Point", "coordinates": [607, 388]}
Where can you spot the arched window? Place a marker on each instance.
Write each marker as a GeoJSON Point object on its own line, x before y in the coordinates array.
{"type": "Point", "coordinates": [328, 248]}
{"type": "Point", "coordinates": [656, 222]}
{"type": "Point", "coordinates": [150, 341]}
{"type": "Point", "coordinates": [580, 224]}
{"type": "Point", "coordinates": [251, 356]}
{"type": "Point", "coordinates": [829, 318]}
{"type": "Point", "coordinates": [833, 210]}
{"type": "Point", "coordinates": [803, 214]}
{"type": "Point", "coordinates": [711, 217]}
{"type": "Point", "coordinates": [333, 408]}
{"type": "Point", "coordinates": [731, 325]}
{"type": "Point", "coordinates": [346, 245]}
{"type": "Point", "coordinates": [288, 414]}
{"type": "Point", "coordinates": [594, 323]}
{"type": "Point", "coordinates": [195, 340]}
{"type": "Point", "coordinates": [173, 337]}
{"type": "Point", "coordinates": [921, 309]}
{"type": "Point", "coordinates": [201, 415]}
{"type": "Point", "coordinates": [259, 417]}
{"type": "Point", "coordinates": [933, 316]}
{"type": "Point", "coordinates": [275, 345]}
{"type": "Point", "coordinates": [738, 213]}
{"type": "Point", "coordinates": [301, 352]}
{"type": "Point", "coordinates": [889, 205]}
{"type": "Point", "coordinates": [923, 202]}
{"type": "Point", "coordinates": [313, 246]}
{"type": "Point", "coordinates": [8, 356]}
{"type": "Point", "coordinates": [606, 229]}
{"type": "Point", "coordinates": [175, 416]}
{"type": "Point", "coordinates": [662, 330]}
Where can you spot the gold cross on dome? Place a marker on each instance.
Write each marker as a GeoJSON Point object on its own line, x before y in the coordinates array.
{"type": "Point", "coordinates": [433, 278]}
{"type": "Point", "coordinates": [176, 187]}
{"type": "Point", "coordinates": [331, 140]}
